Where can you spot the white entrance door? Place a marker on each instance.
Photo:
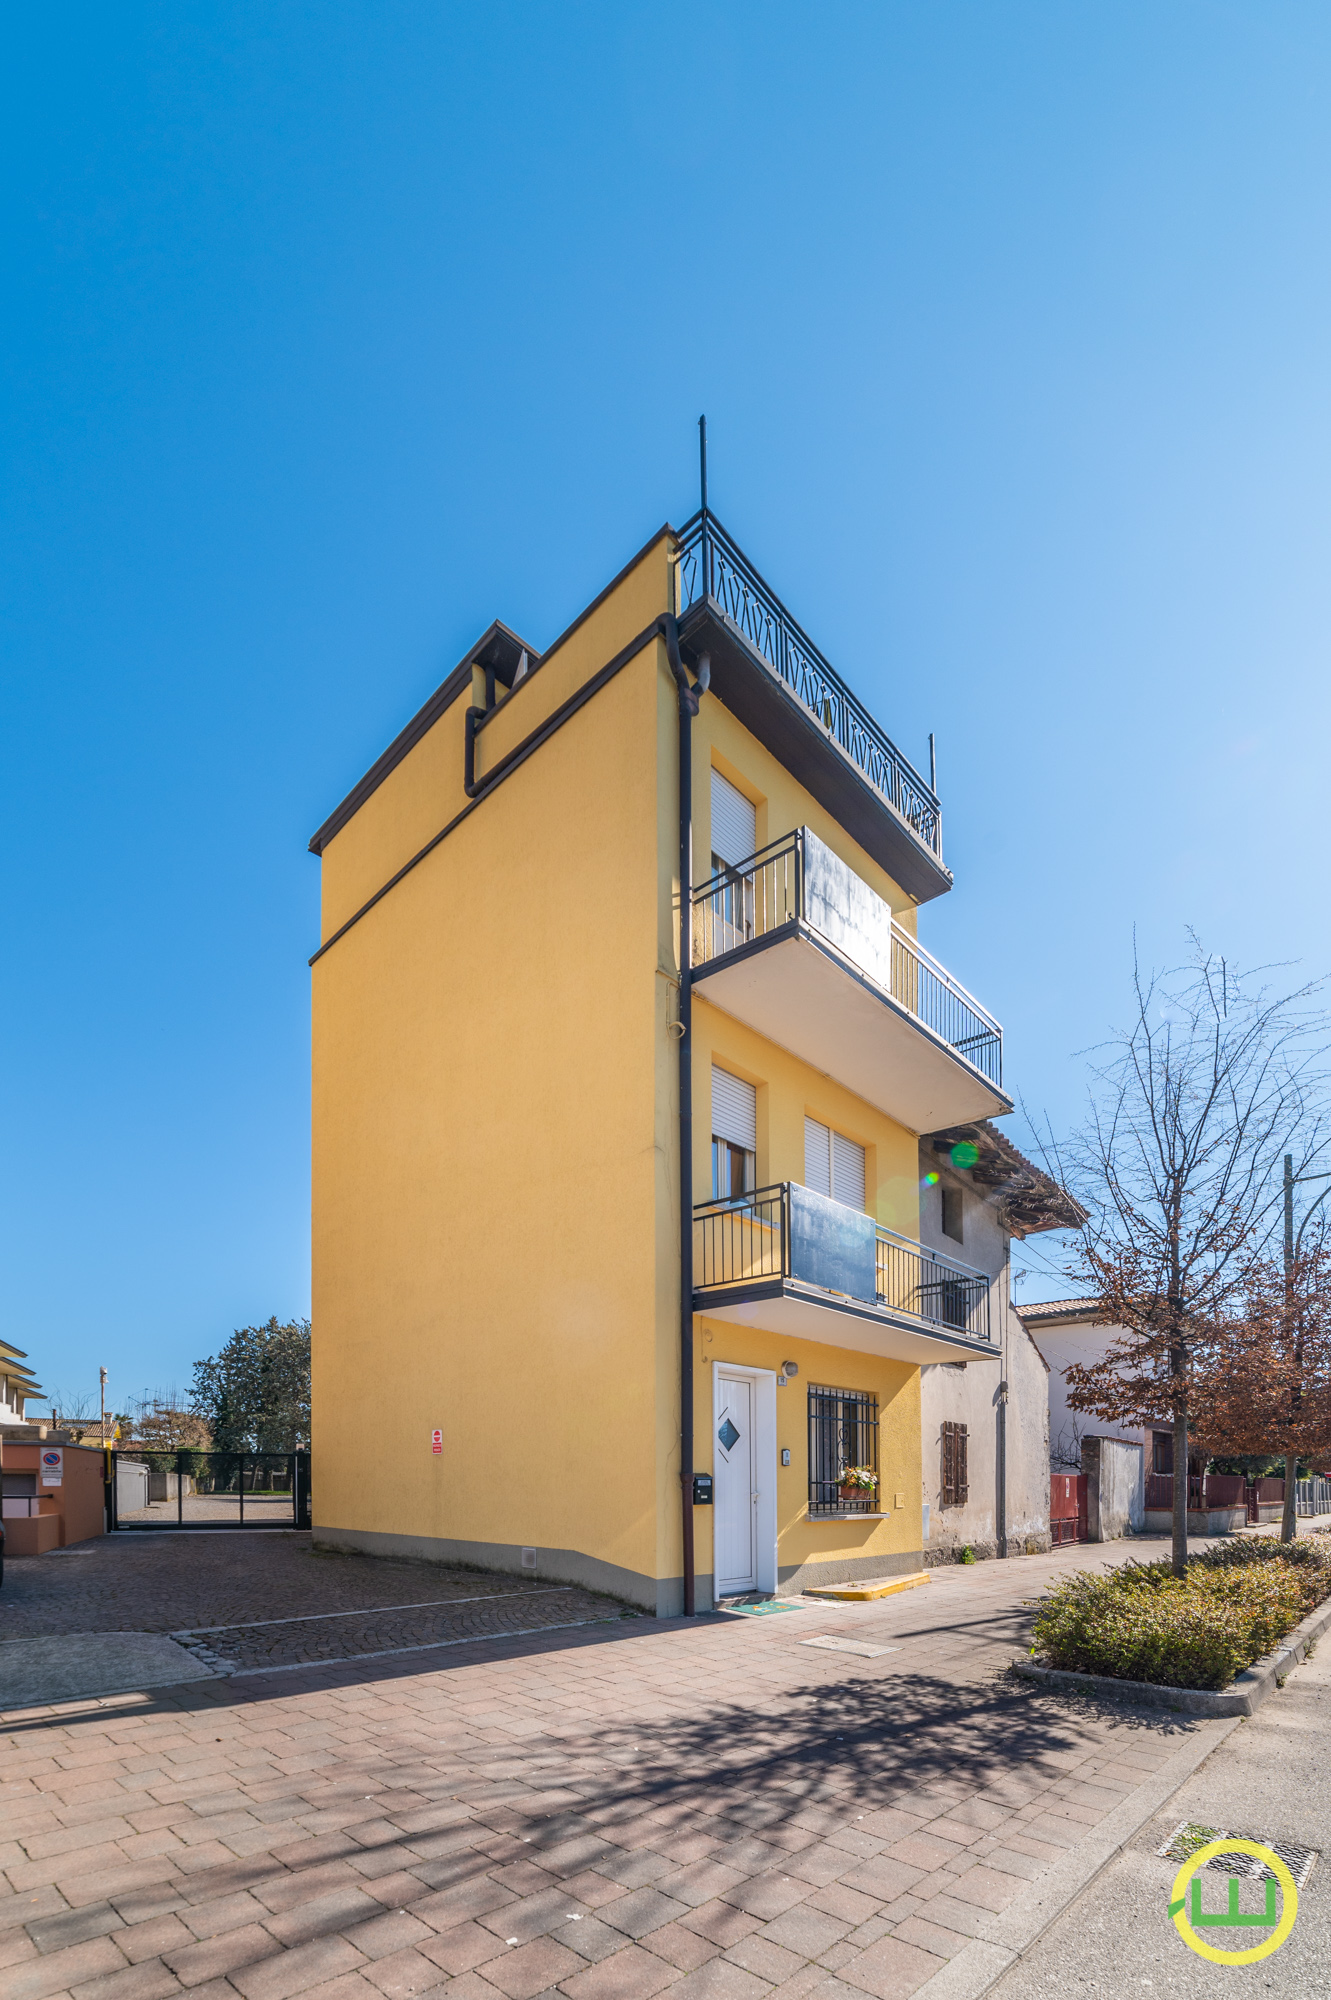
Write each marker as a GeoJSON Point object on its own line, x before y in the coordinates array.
{"type": "Point", "coordinates": [735, 1496]}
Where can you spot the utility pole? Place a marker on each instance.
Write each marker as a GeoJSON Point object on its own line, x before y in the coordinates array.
{"type": "Point", "coordinates": [103, 1375]}
{"type": "Point", "coordinates": [1287, 1518]}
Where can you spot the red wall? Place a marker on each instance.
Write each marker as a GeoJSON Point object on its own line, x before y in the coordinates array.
{"type": "Point", "coordinates": [79, 1501]}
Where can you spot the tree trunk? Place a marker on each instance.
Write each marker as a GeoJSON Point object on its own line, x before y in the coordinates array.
{"type": "Point", "coordinates": [1180, 1551]}
{"type": "Point", "coordinates": [1288, 1524]}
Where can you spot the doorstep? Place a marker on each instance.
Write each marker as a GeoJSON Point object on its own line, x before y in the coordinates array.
{"type": "Point", "coordinates": [857, 1593]}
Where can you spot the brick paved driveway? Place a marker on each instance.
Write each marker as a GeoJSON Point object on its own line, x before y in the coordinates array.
{"type": "Point", "coordinates": [608, 1811]}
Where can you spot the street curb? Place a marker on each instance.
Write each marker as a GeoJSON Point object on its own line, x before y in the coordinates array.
{"type": "Point", "coordinates": [1245, 1697]}
{"type": "Point", "coordinates": [1001, 1940]}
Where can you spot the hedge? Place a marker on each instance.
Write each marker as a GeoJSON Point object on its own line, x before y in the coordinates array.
{"type": "Point", "coordinates": [1142, 1623]}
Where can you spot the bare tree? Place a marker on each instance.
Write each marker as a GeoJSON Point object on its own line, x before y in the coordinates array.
{"type": "Point", "coordinates": [1192, 1105]}
{"type": "Point", "coordinates": [162, 1420]}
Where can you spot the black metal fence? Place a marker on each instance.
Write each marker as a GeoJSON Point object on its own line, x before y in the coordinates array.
{"type": "Point", "coordinates": [208, 1489]}
{"type": "Point", "coordinates": [713, 565]}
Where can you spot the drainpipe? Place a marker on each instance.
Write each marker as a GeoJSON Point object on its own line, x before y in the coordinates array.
{"type": "Point", "coordinates": [689, 701]}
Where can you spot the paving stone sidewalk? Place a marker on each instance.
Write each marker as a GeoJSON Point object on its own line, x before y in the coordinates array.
{"type": "Point", "coordinates": [607, 1812]}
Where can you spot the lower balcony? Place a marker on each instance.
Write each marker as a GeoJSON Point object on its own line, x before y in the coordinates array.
{"type": "Point", "coordinates": [791, 1261]}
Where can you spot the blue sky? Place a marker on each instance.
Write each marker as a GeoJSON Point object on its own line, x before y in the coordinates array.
{"type": "Point", "coordinates": [335, 331]}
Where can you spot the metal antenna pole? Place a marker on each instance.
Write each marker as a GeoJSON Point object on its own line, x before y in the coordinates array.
{"type": "Point", "coordinates": [702, 483]}
{"type": "Point", "coordinates": [933, 766]}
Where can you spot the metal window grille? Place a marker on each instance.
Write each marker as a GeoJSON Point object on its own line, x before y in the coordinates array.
{"type": "Point", "coordinates": [956, 1486]}
{"type": "Point", "coordinates": [843, 1431]}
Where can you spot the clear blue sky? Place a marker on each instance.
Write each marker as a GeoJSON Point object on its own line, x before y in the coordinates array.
{"type": "Point", "coordinates": [333, 332]}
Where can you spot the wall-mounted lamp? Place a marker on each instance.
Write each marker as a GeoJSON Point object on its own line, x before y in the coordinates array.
{"type": "Point", "coordinates": [790, 1368]}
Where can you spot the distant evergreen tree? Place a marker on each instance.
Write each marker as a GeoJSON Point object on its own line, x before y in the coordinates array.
{"type": "Point", "coordinates": [255, 1394]}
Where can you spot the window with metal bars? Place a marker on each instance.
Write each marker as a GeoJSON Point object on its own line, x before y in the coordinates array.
{"type": "Point", "coordinates": [843, 1435]}
{"type": "Point", "coordinates": [955, 1485]}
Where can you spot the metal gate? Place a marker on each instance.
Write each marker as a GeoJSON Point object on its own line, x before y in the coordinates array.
{"type": "Point", "coordinates": [208, 1489]}
{"type": "Point", "coordinates": [1067, 1507]}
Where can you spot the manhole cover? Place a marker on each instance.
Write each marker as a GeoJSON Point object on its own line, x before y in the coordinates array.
{"type": "Point", "coordinates": [832, 1644]}
{"type": "Point", "coordinates": [1190, 1834]}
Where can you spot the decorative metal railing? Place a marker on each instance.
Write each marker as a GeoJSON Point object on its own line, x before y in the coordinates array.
{"type": "Point", "coordinates": [769, 891]}
{"type": "Point", "coordinates": [935, 1289]}
{"type": "Point", "coordinates": [750, 1237]}
{"type": "Point", "coordinates": [711, 564]}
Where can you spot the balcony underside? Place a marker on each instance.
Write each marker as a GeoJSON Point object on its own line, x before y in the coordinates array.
{"type": "Point", "coordinates": [777, 1305]}
{"type": "Point", "coordinates": [799, 992]}
{"type": "Point", "coordinates": [750, 687]}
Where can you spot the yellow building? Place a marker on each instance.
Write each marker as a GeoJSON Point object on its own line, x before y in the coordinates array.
{"type": "Point", "coordinates": [519, 1090]}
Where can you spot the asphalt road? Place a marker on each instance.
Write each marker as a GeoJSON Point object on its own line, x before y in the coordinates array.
{"type": "Point", "coordinates": [1271, 1776]}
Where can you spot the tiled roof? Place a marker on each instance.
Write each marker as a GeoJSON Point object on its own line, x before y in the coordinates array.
{"type": "Point", "coordinates": [1029, 1200]}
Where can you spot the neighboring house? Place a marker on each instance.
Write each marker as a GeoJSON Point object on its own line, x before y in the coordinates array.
{"type": "Point", "coordinates": [1066, 1331]}
{"type": "Point", "coordinates": [1126, 1458]}
{"type": "Point", "coordinates": [18, 1386]}
{"type": "Point", "coordinates": [986, 1441]}
{"type": "Point", "coordinates": [518, 1091]}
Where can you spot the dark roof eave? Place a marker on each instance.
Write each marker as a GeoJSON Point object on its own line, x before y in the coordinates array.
{"type": "Point", "coordinates": [406, 739]}
{"type": "Point", "coordinates": [448, 691]}
{"type": "Point", "coordinates": [1031, 1199]}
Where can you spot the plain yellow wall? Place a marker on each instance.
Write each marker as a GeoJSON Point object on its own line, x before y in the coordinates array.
{"type": "Point", "coordinates": [485, 1166]}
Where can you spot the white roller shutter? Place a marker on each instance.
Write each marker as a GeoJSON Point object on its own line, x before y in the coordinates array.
{"type": "Point", "coordinates": [817, 1157]}
{"type": "Point", "coordinates": [734, 822]}
{"type": "Point", "coordinates": [734, 1110]}
{"type": "Point", "coordinates": [847, 1171]}
{"type": "Point", "coordinates": [833, 1164]}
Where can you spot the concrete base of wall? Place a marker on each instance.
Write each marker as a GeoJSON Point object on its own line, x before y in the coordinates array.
{"type": "Point", "coordinates": [1213, 1521]}
{"type": "Point", "coordinates": [944, 1553]}
{"type": "Point", "coordinates": [663, 1596]}
{"type": "Point", "coordinates": [849, 1569]}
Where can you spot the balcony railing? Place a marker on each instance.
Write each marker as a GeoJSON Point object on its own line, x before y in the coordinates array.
{"type": "Point", "coordinates": [712, 565]}
{"type": "Point", "coordinates": [787, 1231]}
{"type": "Point", "coordinates": [798, 880]}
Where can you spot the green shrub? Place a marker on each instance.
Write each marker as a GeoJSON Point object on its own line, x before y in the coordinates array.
{"type": "Point", "coordinates": [1142, 1623]}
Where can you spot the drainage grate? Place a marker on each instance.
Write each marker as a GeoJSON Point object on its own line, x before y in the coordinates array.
{"type": "Point", "coordinates": [1189, 1835]}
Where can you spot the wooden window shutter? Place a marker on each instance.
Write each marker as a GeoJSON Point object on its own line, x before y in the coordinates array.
{"type": "Point", "coordinates": [955, 1482]}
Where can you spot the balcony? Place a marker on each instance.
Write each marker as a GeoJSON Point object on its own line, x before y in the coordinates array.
{"type": "Point", "coordinates": [796, 945]}
{"type": "Point", "coordinates": [768, 672]}
{"type": "Point", "coordinates": [791, 1261]}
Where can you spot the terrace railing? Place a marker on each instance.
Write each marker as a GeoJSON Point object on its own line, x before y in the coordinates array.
{"type": "Point", "coordinates": [711, 564]}
{"type": "Point", "coordinates": [916, 1280]}
{"type": "Point", "coordinates": [787, 1231]}
{"type": "Point", "coordinates": [798, 880]}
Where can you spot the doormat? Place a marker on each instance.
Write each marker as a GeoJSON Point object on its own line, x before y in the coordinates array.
{"type": "Point", "coordinates": [760, 1610]}
{"type": "Point", "coordinates": [1189, 1835]}
{"type": "Point", "coordinates": [833, 1643]}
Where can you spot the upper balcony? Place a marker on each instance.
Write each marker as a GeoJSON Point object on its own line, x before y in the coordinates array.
{"type": "Point", "coordinates": [768, 672]}
{"type": "Point", "coordinates": [792, 1261]}
{"type": "Point", "coordinates": [794, 943]}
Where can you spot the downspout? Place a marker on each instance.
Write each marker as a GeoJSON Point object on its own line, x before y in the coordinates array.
{"type": "Point", "coordinates": [689, 701]}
